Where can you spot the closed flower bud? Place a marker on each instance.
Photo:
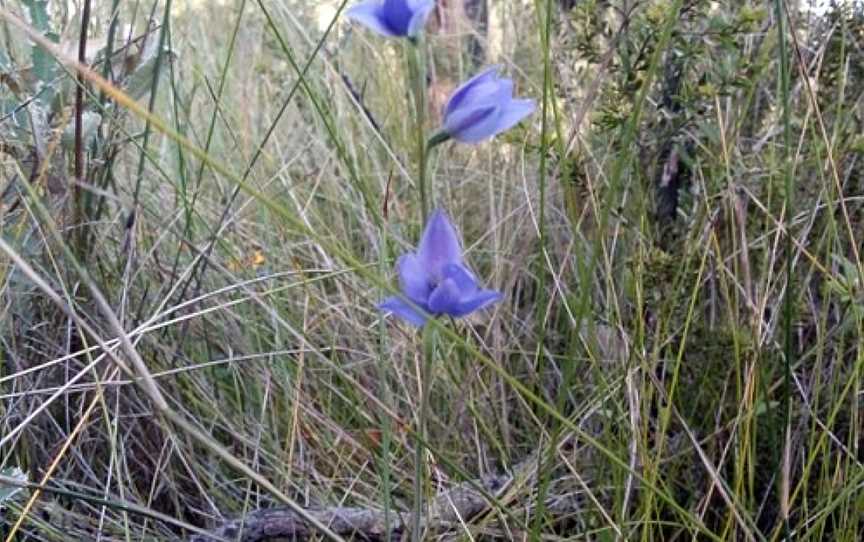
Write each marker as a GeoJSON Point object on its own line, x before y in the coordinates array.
{"type": "Point", "coordinates": [483, 107]}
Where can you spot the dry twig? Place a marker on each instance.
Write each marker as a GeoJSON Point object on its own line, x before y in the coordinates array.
{"type": "Point", "coordinates": [458, 504]}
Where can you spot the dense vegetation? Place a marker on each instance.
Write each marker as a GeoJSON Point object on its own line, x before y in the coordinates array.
{"type": "Point", "coordinates": [196, 230]}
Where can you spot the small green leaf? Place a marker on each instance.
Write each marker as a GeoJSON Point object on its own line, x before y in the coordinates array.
{"type": "Point", "coordinates": [45, 68]}
{"type": "Point", "coordinates": [38, 11]}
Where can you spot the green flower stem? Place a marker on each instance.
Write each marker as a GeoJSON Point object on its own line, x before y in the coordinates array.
{"type": "Point", "coordinates": [425, 386]}
{"type": "Point", "coordinates": [383, 366]}
{"type": "Point", "coordinates": [417, 73]}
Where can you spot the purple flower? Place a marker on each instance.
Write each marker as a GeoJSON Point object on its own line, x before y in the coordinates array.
{"type": "Point", "coordinates": [482, 107]}
{"type": "Point", "coordinates": [435, 278]}
{"type": "Point", "coordinates": [393, 18]}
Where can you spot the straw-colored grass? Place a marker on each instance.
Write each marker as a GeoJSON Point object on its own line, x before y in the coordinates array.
{"type": "Point", "coordinates": [189, 334]}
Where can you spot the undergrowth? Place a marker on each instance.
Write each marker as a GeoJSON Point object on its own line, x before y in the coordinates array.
{"type": "Point", "coordinates": [247, 185]}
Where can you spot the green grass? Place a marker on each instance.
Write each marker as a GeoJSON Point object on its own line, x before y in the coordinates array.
{"type": "Point", "coordinates": [646, 377]}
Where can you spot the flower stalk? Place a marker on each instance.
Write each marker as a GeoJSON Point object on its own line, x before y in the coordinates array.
{"type": "Point", "coordinates": [417, 73]}
{"type": "Point", "coordinates": [434, 280]}
{"type": "Point", "coordinates": [425, 385]}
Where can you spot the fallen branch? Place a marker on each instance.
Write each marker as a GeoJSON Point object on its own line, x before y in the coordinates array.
{"type": "Point", "coordinates": [452, 507]}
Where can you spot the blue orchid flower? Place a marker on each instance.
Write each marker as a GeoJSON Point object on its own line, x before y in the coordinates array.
{"type": "Point", "coordinates": [436, 279]}
{"type": "Point", "coordinates": [481, 108]}
{"type": "Point", "coordinates": [392, 18]}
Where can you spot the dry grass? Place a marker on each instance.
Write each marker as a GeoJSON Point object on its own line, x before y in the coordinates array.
{"type": "Point", "coordinates": [633, 382]}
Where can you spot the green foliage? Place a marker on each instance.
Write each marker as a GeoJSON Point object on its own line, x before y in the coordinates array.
{"type": "Point", "coordinates": [45, 68]}
{"type": "Point", "coordinates": [634, 373]}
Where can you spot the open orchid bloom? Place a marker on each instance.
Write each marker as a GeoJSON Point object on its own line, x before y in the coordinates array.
{"type": "Point", "coordinates": [436, 279]}
{"type": "Point", "coordinates": [483, 107]}
{"type": "Point", "coordinates": [392, 18]}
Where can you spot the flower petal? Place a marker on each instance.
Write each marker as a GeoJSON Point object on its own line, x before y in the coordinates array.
{"type": "Point", "coordinates": [414, 278]}
{"type": "Point", "coordinates": [493, 93]}
{"type": "Point", "coordinates": [475, 128]}
{"type": "Point", "coordinates": [456, 99]}
{"type": "Point", "coordinates": [422, 9]}
{"type": "Point", "coordinates": [514, 112]}
{"type": "Point", "coordinates": [445, 299]}
{"type": "Point", "coordinates": [370, 15]}
{"type": "Point", "coordinates": [463, 121]}
{"type": "Point", "coordinates": [398, 14]}
{"type": "Point", "coordinates": [480, 299]}
{"type": "Point", "coordinates": [403, 311]}
{"type": "Point", "coordinates": [439, 245]}
{"type": "Point", "coordinates": [463, 278]}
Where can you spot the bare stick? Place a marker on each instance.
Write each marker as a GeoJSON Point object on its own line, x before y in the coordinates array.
{"type": "Point", "coordinates": [449, 509]}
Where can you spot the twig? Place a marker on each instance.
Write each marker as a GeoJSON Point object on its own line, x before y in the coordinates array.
{"type": "Point", "coordinates": [449, 509]}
